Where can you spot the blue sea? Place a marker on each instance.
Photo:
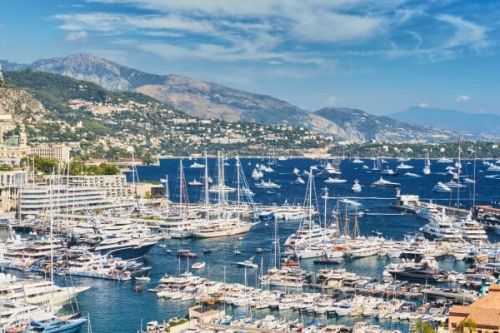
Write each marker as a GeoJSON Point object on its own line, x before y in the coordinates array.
{"type": "Point", "coordinates": [116, 307]}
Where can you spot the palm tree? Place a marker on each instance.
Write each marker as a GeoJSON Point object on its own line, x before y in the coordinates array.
{"type": "Point", "coordinates": [424, 327]}
{"type": "Point", "coordinates": [469, 324]}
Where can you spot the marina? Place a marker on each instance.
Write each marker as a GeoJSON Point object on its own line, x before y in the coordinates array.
{"type": "Point", "coordinates": [296, 253]}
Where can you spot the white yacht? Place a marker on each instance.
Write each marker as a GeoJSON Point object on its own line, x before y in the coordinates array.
{"type": "Point", "coordinates": [357, 161]}
{"type": "Point", "coordinates": [309, 235]}
{"type": "Point", "coordinates": [403, 166]}
{"type": "Point", "coordinates": [412, 175]}
{"type": "Point", "coordinates": [299, 181]}
{"type": "Point", "coordinates": [444, 160]}
{"type": "Point", "coordinates": [388, 172]}
{"type": "Point", "coordinates": [442, 227]}
{"type": "Point", "coordinates": [472, 230]}
{"type": "Point", "coordinates": [222, 227]}
{"type": "Point", "coordinates": [441, 187]}
{"type": "Point", "coordinates": [36, 291]}
{"type": "Point", "coordinates": [331, 170]}
{"type": "Point", "coordinates": [331, 180]}
{"type": "Point", "coordinates": [385, 183]}
{"type": "Point", "coordinates": [356, 187]}
{"type": "Point", "coordinates": [196, 165]}
{"type": "Point", "coordinates": [363, 249]}
{"type": "Point", "coordinates": [257, 174]}
{"type": "Point", "coordinates": [296, 171]}
{"type": "Point", "coordinates": [269, 185]}
{"type": "Point", "coordinates": [455, 185]}
{"type": "Point", "coordinates": [195, 182]}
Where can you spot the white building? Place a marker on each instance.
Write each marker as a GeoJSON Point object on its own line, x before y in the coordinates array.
{"type": "Point", "coordinates": [10, 183]}
{"type": "Point", "coordinates": [116, 187]}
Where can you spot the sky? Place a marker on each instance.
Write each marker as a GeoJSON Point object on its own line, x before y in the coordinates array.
{"type": "Point", "coordinates": [381, 56]}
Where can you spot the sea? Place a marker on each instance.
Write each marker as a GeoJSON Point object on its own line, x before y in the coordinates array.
{"type": "Point", "coordinates": [117, 307]}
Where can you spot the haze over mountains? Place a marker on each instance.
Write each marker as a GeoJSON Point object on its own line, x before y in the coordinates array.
{"type": "Point", "coordinates": [211, 100]}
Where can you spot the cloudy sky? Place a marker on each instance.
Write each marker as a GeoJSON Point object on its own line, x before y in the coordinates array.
{"type": "Point", "coordinates": [378, 55]}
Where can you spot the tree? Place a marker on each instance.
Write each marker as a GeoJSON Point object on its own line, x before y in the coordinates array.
{"type": "Point", "coordinates": [424, 327]}
{"type": "Point", "coordinates": [46, 165]}
{"type": "Point", "coordinates": [467, 323]}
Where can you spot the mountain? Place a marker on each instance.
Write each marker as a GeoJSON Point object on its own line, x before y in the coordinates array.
{"type": "Point", "coordinates": [88, 67]}
{"type": "Point", "coordinates": [481, 125]}
{"type": "Point", "coordinates": [214, 101]}
{"type": "Point", "coordinates": [57, 108]}
{"type": "Point", "coordinates": [358, 125]}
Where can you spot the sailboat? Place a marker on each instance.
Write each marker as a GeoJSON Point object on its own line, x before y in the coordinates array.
{"type": "Point", "coordinates": [427, 165]}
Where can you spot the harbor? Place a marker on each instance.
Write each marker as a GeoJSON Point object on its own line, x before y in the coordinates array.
{"type": "Point", "coordinates": [305, 253]}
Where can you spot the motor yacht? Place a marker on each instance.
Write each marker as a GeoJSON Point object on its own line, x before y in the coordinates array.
{"type": "Point", "coordinates": [441, 226]}
{"type": "Point", "coordinates": [385, 183]}
{"type": "Point", "coordinates": [356, 187]}
{"type": "Point", "coordinates": [441, 187]}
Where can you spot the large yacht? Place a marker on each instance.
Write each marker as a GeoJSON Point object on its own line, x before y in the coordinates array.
{"type": "Point", "coordinates": [285, 277]}
{"type": "Point", "coordinates": [472, 230]}
{"type": "Point", "coordinates": [36, 291]}
{"type": "Point", "coordinates": [125, 247]}
{"type": "Point", "coordinates": [221, 227]}
{"type": "Point", "coordinates": [385, 183]}
{"type": "Point", "coordinates": [441, 227]}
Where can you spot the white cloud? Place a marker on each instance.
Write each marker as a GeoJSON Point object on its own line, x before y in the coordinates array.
{"type": "Point", "coordinates": [466, 34]}
{"type": "Point", "coordinates": [423, 105]}
{"type": "Point", "coordinates": [331, 101]}
{"type": "Point", "coordinates": [463, 98]}
{"type": "Point", "coordinates": [77, 36]}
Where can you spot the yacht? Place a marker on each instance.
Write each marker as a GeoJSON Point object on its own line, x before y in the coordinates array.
{"type": "Point", "coordinates": [385, 183]}
{"type": "Point", "coordinates": [412, 175]}
{"type": "Point", "coordinates": [196, 165]}
{"type": "Point", "coordinates": [195, 182]}
{"type": "Point", "coordinates": [55, 325]}
{"type": "Point", "coordinates": [356, 187]}
{"type": "Point", "coordinates": [331, 170]}
{"type": "Point", "coordinates": [403, 166]}
{"type": "Point", "coordinates": [331, 180]}
{"type": "Point", "coordinates": [15, 316]}
{"type": "Point", "coordinates": [268, 185]}
{"type": "Point", "coordinates": [36, 291]}
{"type": "Point", "coordinates": [426, 269]}
{"type": "Point", "coordinates": [299, 181]}
{"type": "Point", "coordinates": [247, 263]}
{"type": "Point", "coordinates": [388, 172]}
{"type": "Point", "coordinates": [257, 174]}
{"type": "Point", "coordinates": [125, 247]}
{"type": "Point", "coordinates": [455, 184]}
{"type": "Point", "coordinates": [363, 249]}
{"type": "Point", "coordinates": [285, 277]}
{"type": "Point", "coordinates": [468, 180]}
{"type": "Point", "coordinates": [472, 230]}
{"type": "Point", "coordinates": [357, 161]}
{"type": "Point", "coordinates": [493, 168]}
{"type": "Point", "coordinates": [296, 171]}
{"type": "Point", "coordinates": [309, 235]}
{"type": "Point", "coordinates": [222, 227]}
{"type": "Point", "coordinates": [442, 227]}
{"type": "Point", "coordinates": [444, 160]}
{"type": "Point", "coordinates": [221, 189]}
{"type": "Point", "coordinates": [441, 187]}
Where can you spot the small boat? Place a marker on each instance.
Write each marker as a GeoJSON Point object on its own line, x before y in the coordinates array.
{"type": "Point", "coordinates": [257, 174]}
{"type": "Point", "coordinates": [247, 263]}
{"type": "Point", "coordinates": [236, 251]}
{"type": "Point", "coordinates": [207, 251]}
{"type": "Point", "coordinates": [197, 165]}
{"type": "Point", "coordinates": [195, 182]}
{"type": "Point", "coordinates": [331, 180]}
{"type": "Point", "coordinates": [168, 251]}
{"type": "Point", "coordinates": [259, 250]}
{"type": "Point", "coordinates": [142, 278]}
{"type": "Point", "coordinates": [138, 288]}
{"type": "Point", "coordinates": [467, 180]}
{"type": "Point", "coordinates": [411, 174]}
{"type": "Point", "coordinates": [376, 233]}
{"type": "Point", "coordinates": [357, 161]}
{"type": "Point", "coordinates": [299, 181]}
{"type": "Point", "coordinates": [356, 187]}
{"type": "Point", "coordinates": [296, 171]}
{"type": "Point", "coordinates": [198, 265]}
{"type": "Point", "coordinates": [385, 183]}
{"type": "Point", "coordinates": [186, 254]}
{"type": "Point", "coordinates": [441, 187]}
{"type": "Point", "coordinates": [350, 202]}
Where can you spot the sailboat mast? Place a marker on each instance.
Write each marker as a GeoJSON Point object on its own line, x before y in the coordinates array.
{"type": "Point", "coordinates": [207, 195]}
{"type": "Point", "coordinates": [238, 180]}
{"type": "Point", "coordinates": [310, 196]}
{"type": "Point", "coordinates": [474, 184]}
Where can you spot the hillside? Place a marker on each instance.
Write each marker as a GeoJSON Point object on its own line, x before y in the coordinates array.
{"type": "Point", "coordinates": [358, 125]}
{"type": "Point", "coordinates": [109, 121]}
{"type": "Point", "coordinates": [482, 125]}
{"type": "Point", "coordinates": [210, 100]}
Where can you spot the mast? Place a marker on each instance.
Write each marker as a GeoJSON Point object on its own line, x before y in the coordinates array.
{"type": "Point", "coordinates": [310, 196]}
{"type": "Point", "coordinates": [238, 181]}
{"type": "Point", "coordinates": [474, 185]}
{"type": "Point", "coordinates": [276, 243]}
{"type": "Point", "coordinates": [207, 194]}
{"type": "Point", "coordinates": [459, 171]}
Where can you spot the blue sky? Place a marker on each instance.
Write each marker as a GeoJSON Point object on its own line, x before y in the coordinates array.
{"type": "Point", "coordinates": [378, 55]}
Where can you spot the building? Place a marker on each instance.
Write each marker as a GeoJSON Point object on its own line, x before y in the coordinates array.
{"type": "Point", "coordinates": [34, 200]}
{"type": "Point", "coordinates": [483, 314]}
{"type": "Point", "coordinates": [59, 152]}
{"type": "Point", "coordinates": [10, 184]}
{"type": "Point", "coordinates": [116, 187]}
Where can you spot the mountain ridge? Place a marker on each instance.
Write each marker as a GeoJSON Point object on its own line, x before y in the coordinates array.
{"type": "Point", "coordinates": [210, 100]}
